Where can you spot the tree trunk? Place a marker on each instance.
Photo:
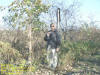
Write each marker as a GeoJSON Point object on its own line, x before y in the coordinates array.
{"type": "Point", "coordinates": [30, 45]}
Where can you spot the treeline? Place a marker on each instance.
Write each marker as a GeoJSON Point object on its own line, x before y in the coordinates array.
{"type": "Point", "coordinates": [79, 49]}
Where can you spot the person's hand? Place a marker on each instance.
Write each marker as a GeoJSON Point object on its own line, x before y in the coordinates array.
{"type": "Point", "coordinates": [57, 49]}
{"type": "Point", "coordinates": [48, 34]}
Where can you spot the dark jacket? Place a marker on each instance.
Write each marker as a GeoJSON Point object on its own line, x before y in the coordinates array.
{"type": "Point", "coordinates": [54, 39]}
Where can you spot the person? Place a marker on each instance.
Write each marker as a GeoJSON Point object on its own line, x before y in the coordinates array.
{"type": "Point", "coordinates": [53, 40]}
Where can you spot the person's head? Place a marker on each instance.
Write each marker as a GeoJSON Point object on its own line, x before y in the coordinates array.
{"type": "Point", "coordinates": [53, 26]}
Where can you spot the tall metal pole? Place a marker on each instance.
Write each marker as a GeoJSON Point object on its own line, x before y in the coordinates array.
{"type": "Point", "coordinates": [58, 18]}
{"type": "Point", "coordinates": [58, 27]}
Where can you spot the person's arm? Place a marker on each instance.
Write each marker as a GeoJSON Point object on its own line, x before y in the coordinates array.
{"type": "Point", "coordinates": [57, 49]}
{"type": "Point", "coordinates": [58, 36]}
{"type": "Point", "coordinates": [47, 37]}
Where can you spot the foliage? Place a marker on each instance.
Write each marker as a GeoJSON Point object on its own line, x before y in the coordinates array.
{"type": "Point", "coordinates": [85, 50]}
{"type": "Point", "coordinates": [12, 62]}
{"type": "Point", "coordinates": [25, 12]}
{"type": "Point", "coordinates": [8, 54]}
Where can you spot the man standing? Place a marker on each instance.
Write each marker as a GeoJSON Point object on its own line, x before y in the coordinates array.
{"type": "Point", "coordinates": [53, 42]}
